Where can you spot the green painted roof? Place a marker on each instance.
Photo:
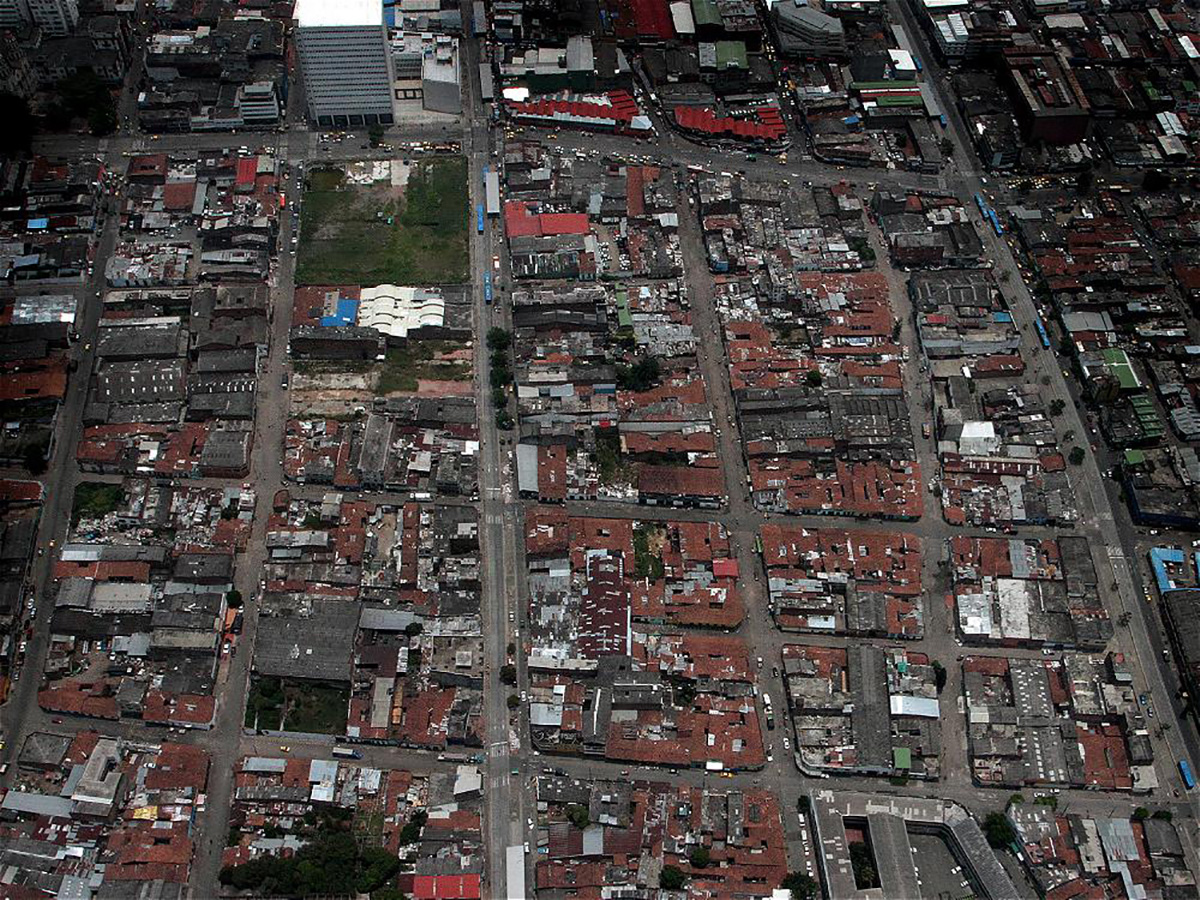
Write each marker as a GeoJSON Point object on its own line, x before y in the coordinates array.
{"type": "Point", "coordinates": [705, 12]}
{"type": "Point", "coordinates": [732, 54]}
{"type": "Point", "coordinates": [1135, 457]}
{"type": "Point", "coordinates": [1120, 367]}
{"type": "Point", "coordinates": [902, 757]}
{"type": "Point", "coordinates": [624, 318]}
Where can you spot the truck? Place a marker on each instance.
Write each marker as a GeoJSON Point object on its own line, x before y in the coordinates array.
{"type": "Point", "coordinates": [343, 752]}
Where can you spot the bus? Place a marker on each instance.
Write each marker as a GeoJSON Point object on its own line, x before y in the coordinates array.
{"type": "Point", "coordinates": [479, 219]}
{"type": "Point", "coordinates": [1042, 333]}
{"type": "Point", "coordinates": [346, 752]}
{"type": "Point", "coordinates": [487, 287]}
{"type": "Point", "coordinates": [995, 220]}
{"type": "Point", "coordinates": [1185, 772]}
{"type": "Point", "coordinates": [982, 206]}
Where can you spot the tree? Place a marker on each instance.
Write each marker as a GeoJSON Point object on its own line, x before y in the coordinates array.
{"type": "Point", "coordinates": [513, 701]}
{"type": "Point", "coordinates": [1163, 815]}
{"type": "Point", "coordinates": [641, 376]}
{"type": "Point", "coordinates": [375, 135]}
{"type": "Point", "coordinates": [35, 458]}
{"type": "Point", "coordinates": [1141, 813]}
{"type": "Point", "coordinates": [102, 119]}
{"type": "Point", "coordinates": [1156, 180]}
{"type": "Point", "coordinates": [813, 378]}
{"type": "Point", "coordinates": [1077, 456]}
{"type": "Point", "coordinates": [498, 338]}
{"type": "Point", "coordinates": [1057, 405]}
{"type": "Point", "coordinates": [500, 377]}
{"type": "Point", "coordinates": [578, 816]}
{"type": "Point", "coordinates": [18, 124]}
{"type": "Point", "coordinates": [233, 598]}
{"type": "Point", "coordinates": [999, 831]}
{"type": "Point", "coordinates": [939, 675]}
{"type": "Point", "coordinates": [862, 861]}
{"type": "Point", "coordinates": [802, 885]}
{"type": "Point", "coordinates": [671, 878]}
{"type": "Point", "coordinates": [1017, 798]}
{"type": "Point", "coordinates": [508, 673]}
{"type": "Point", "coordinates": [700, 857]}
{"type": "Point", "coordinates": [412, 629]}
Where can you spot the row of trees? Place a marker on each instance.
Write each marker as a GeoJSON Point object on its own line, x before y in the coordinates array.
{"type": "Point", "coordinates": [330, 862]}
{"type": "Point", "coordinates": [83, 96]}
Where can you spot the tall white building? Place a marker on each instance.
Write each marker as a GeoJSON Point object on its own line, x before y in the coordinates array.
{"type": "Point", "coordinates": [346, 62]}
{"type": "Point", "coordinates": [56, 18]}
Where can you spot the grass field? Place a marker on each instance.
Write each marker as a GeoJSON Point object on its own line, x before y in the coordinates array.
{"type": "Point", "coordinates": [95, 499]}
{"type": "Point", "coordinates": [376, 234]}
{"type": "Point", "coordinates": [405, 365]}
{"type": "Point", "coordinates": [275, 704]}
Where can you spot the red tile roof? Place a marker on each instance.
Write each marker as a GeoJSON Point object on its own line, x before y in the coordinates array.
{"type": "Point", "coordinates": [619, 111]}
{"type": "Point", "coordinates": [519, 222]}
{"type": "Point", "coordinates": [179, 195]}
{"type": "Point", "coordinates": [446, 887]}
{"type": "Point", "coordinates": [246, 168]}
{"type": "Point", "coordinates": [767, 126]}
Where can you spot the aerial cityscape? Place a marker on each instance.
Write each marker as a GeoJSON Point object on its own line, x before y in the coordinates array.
{"type": "Point", "coordinates": [600, 449]}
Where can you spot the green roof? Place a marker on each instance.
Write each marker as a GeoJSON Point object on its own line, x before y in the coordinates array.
{"type": "Point", "coordinates": [624, 319]}
{"type": "Point", "coordinates": [899, 101]}
{"type": "Point", "coordinates": [1118, 364]}
{"type": "Point", "coordinates": [732, 54]}
{"type": "Point", "coordinates": [902, 758]}
{"type": "Point", "coordinates": [705, 12]}
{"type": "Point", "coordinates": [1135, 457]}
{"type": "Point", "coordinates": [883, 86]}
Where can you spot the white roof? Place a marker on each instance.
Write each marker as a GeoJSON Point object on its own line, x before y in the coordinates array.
{"type": "Point", "coordinates": [332, 13]}
{"type": "Point", "coordinates": [922, 707]}
{"type": "Point", "coordinates": [395, 310]}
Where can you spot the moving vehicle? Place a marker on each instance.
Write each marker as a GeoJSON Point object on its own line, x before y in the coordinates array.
{"type": "Point", "coordinates": [1185, 772]}
{"type": "Point", "coordinates": [1042, 334]}
{"type": "Point", "coordinates": [347, 752]}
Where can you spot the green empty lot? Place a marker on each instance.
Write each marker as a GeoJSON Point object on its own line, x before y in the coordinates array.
{"type": "Point", "coordinates": [380, 234]}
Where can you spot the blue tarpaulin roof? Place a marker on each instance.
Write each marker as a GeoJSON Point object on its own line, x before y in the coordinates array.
{"type": "Point", "coordinates": [347, 313]}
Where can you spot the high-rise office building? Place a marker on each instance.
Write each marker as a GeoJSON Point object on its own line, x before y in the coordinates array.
{"type": "Point", "coordinates": [56, 18]}
{"type": "Point", "coordinates": [346, 62]}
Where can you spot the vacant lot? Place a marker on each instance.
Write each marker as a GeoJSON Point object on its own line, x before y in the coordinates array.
{"type": "Point", "coordinates": [275, 704]}
{"type": "Point", "coordinates": [94, 500]}
{"type": "Point", "coordinates": [383, 234]}
{"type": "Point", "coordinates": [405, 367]}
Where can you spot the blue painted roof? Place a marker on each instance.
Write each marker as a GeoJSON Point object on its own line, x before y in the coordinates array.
{"type": "Point", "coordinates": [347, 313]}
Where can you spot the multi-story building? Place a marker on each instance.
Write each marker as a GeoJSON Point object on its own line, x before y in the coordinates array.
{"type": "Point", "coordinates": [346, 61]}
{"type": "Point", "coordinates": [804, 31]}
{"type": "Point", "coordinates": [427, 68]}
{"type": "Point", "coordinates": [56, 18]}
{"type": "Point", "coordinates": [16, 74]}
{"type": "Point", "coordinates": [258, 103]}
